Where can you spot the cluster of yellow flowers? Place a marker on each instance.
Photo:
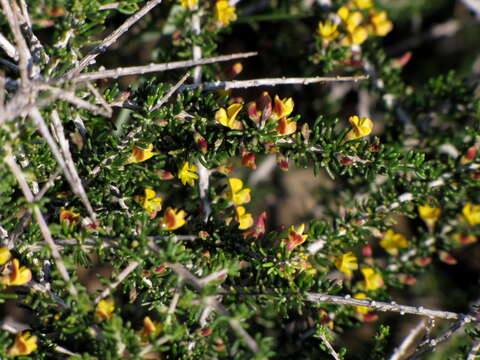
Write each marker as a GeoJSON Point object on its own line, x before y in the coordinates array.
{"type": "Point", "coordinates": [172, 218]}
{"type": "Point", "coordinates": [12, 274]}
{"type": "Point", "coordinates": [353, 23]}
{"type": "Point", "coordinates": [24, 344]}
{"type": "Point", "coordinates": [259, 111]}
{"type": "Point", "coordinates": [347, 263]}
{"type": "Point", "coordinates": [239, 195]}
{"type": "Point", "coordinates": [222, 11]}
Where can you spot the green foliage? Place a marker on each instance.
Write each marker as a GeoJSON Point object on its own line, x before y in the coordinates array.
{"type": "Point", "coordinates": [205, 280]}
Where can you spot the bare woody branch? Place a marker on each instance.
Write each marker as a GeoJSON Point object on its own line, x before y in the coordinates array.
{"type": "Point", "coordinates": [145, 69]}
{"type": "Point", "coordinates": [125, 272]}
{"type": "Point", "coordinates": [110, 39]}
{"type": "Point", "coordinates": [383, 306]}
{"type": "Point", "coordinates": [8, 47]}
{"type": "Point", "coordinates": [68, 170]}
{"type": "Point", "coordinates": [170, 92]}
{"type": "Point", "coordinates": [329, 347]}
{"type": "Point", "coordinates": [400, 351]}
{"type": "Point", "coordinates": [22, 182]}
{"type": "Point", "coordinates": [243, 84]}
{"type": "Point", "coordinates": [181, 271]}
{"type": "Point", "coordinates": [22, 48]}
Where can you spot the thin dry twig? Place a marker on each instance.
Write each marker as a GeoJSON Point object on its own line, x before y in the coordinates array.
{"type": "Point", "coordinates": [203, 172]}
{"type": "Point", "coordinates": [100, 99]}
{"type": "Point", "coordinates": [145, 69]}
{"type": "Point", "coordinates": [170, 92]}
{"type": "Point", "coordinates": [14, 328]}
{"type": "Point", "coordinates": [400, 351]}
{"type": "Point", "coordinates": [110, 39]}
{"type": "Point", "coordinates": [8, 47]}
{"type": "Point", "coordinates": [125, 272]}
{"type": "Point", "coordinates": [430, 345]}
{"type": "Point", "coordinates": [181, 271]}
{"type": "Point", "coordinates": [22, 48]}
{"type": "Point", "coordinates": [383, 306]}
{"type": "Point", "coordinates": [72, 178]}
{"type": "Point", "coordinates": [17, 172]}
{"type": "Point", "coordinates": [243, 84]}
{"type": "Point", "coordinates": [474, 353]}
{"type": "Point", "coordinates": [329, 347]}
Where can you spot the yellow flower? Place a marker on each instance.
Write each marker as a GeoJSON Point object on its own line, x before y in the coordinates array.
{"type": "Point", "coordinates": [361, 127]}
{"type": "Point", "coordinates": [224, 13]}
{"type": "Point", "coordinates": [237, 194]}
{"type": "Point", "coordinates": [363, 4]}
{"type": "Point", "coordinates": [150, 202]}
{"type": "Point", "coordinates": [392, 241]}
{"type": "Point", "coordinates": [244, 219]}
{"type": "Point", "coordinates": [228, 117]}
{"type": "Point", "coordinates": [150, 328]}
{"type": "Point", "coordinates": [189, 4]}
{"type": "Point", "coordinates": [24, 344]}
{"type": "Point", "coordinates": [295, 237]}
{"type": "Point", "coordinates": [69, 216]}
{"type": "Point", "coordinates": [139, 154]}
{"type": "Point", "coordinates": [5, 256]}
{"type": "Point", "coordinates": [282, 108]}
{"type": "Point", "coordinates": [429, 214]}
{"type": "Point", "coordinates": [380, 25]}
{"type": "Point", "coordinates": [471, 213]}
{"type": "Point", "coordinates": [356, 37]}
{"type": "Point", "coordinates": [286, 126]}
{"type": "Point", "coordinates": [343, 13]}
{"type": "Point", "coordinates": [17, 276]}
{"type": "Point", "coordinates": [173, 219]}
{"type": "Point", "coordinates": [353, 20]}
{"type": "Point", "coordinates": [361, 309]}
{"type": "Point", "coordinates": [187, 174]}
{"type": "Point", "coordinates": [328, 30]}
{"type": "Point", "coordinates": [346, 263]}
{"type": "Point", "coordinates": [373, 280]}
{"type": "Point", "coordinates": [104, 309]}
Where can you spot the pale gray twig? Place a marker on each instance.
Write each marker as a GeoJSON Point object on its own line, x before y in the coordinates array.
{"type": "Point", "coordinates": [72, 178]}
{"type": "Point", "coordinates": [14, 328]}
{"type": "Point", "coordinates": [181, 271]}
{"type": "Point", "coordinates": [8, 47]}
{"type": "Point", "coordinates": [203, 172]}
{"type": "Point", "coordinates": [383, 306]}
{"type": "Point", "coordinates": [400, 351]}
{"type": "Point", "coordinates": [125, 272]}
{"type": "Point", "coordinates": [474, 353]}
{"type": "Point", "coordinates": [170, 92]}
{"type": "Point", "coordinates": [329, 347]}
{"type": "Point", "coordinates": [243, 84]}
{"type": "Point", "coordinates": [17, 172]}
{"type": "Point", "coordinates": [145, 69]}
{"type": "Point", "coordinates": [100, 99]}
{"type": "Point", "coordinates": [110, 39]}
{"type": "Point", "coordinates": [22, 48]}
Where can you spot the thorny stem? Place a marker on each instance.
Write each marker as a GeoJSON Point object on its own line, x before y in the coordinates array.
{"type": "Point", "coordinates": [109, 40]}
{"type": "Point", "coordinates": [145, 69]}
{"type": "Point", "coordinates": [329, 347]}
{"type": "Point", "coordinates": [17, 172]}
{"type": "Point", "coordinates": [243, 84]}
{"type": "Point", "coordinates": [125, 272]}
{"type": "Point", "coordinates": [181, 271]}
{"type": "Point", "coordinates": [383, 306]}
{"type": "Point", "coordinates": [400, 352]}
{"type": "Point", "coordinates": [203, 172]}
